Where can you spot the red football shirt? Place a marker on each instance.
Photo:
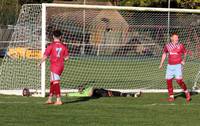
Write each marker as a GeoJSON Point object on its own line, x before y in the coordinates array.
{"type": "Point", "coordinates": [175, 52]}
{"type": "Point", "coordinates": [57, 52]}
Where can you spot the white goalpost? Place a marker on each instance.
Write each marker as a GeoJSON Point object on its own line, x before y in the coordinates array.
{"type": "Point", "coordinates": [43, 49]}
{"type": "Point", "coordinates": [110, 47]}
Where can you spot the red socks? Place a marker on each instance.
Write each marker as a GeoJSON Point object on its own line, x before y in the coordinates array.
{"type": "Point", "coordinates": [55, 88]}
{"type": "Point", "coordinates": [51, 92]}
{"type": "Point", "coordinates": [182, 84]}
{"type": "Point", "coordinates": [170, 86]}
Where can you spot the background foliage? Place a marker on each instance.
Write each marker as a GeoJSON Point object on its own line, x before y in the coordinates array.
{"type": "Point", "coordinates": [10, 8]}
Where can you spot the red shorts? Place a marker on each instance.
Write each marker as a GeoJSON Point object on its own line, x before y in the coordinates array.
{"type": "Point", "coordinates": [57, 69]}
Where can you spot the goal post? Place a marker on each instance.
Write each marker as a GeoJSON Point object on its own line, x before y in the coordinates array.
{"type": "Point", "coordinates": [43, 43]}
{"type": "Point", "coordinates": [110, 47]}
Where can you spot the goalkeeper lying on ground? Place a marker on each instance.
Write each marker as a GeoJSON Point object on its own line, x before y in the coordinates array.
{"type": "Point", "coordinates": [89, 91]}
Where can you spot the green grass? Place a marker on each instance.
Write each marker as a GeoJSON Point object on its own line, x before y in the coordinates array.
{"type": "Point", "coordinates": [147, 110]}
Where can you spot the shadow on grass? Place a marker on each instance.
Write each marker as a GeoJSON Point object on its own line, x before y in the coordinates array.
{"type": "Point", "coordinates": [81, 99]}
{"type": "Point", "coordinates": [182, 94]}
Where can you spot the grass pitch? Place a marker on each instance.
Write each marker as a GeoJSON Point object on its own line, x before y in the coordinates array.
{"type": "Point", "coordinates": [147, 110]}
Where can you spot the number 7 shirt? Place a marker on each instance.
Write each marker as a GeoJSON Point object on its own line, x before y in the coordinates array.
{"type": "Point", "coordinates": [57, 52]}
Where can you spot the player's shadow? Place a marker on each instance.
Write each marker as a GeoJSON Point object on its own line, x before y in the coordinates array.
{"type": "Point", "coordinates": [182, 94]}
{"type": "Point", "coordinates": [81, 99]}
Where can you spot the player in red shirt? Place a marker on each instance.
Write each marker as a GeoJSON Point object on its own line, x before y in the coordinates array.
{"type": "Point", "coordinates": [58, 53]}
{"type": "Point", "coordinates": [175, 50]}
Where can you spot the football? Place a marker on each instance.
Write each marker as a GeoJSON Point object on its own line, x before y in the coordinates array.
{"type": "Point", "coordinates": [137, 94]}
{"type": "Point", "coordinates": [26, 92]}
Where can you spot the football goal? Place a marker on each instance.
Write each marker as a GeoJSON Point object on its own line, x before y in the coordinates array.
{"type": "Point", "coordinates": [110, 47]}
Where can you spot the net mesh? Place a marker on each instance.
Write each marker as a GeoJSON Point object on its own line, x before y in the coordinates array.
{"type": "Point", "coordinates": [114, 49]}
{"type": "Point", "coordinates": [19, 68]}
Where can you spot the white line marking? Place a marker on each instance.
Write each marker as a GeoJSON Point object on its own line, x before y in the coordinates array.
{"type": "Point", "coordinates": [13, 102]}
{"type": "Point", "coordinates": [172, 104]}
{"type": "Point", "coordinates": [142, 105]}
{"type": "Point", "coordinates": [20, 102]}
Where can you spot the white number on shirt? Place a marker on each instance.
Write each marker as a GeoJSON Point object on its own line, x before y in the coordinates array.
{"type": "Point", "coordinates": [58, 50]}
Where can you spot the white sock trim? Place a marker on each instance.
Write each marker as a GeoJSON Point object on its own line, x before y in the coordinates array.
{"type": "Point", "coordinates": [58, 99]}
{"type": "Point", "coordinates": [186, 91]}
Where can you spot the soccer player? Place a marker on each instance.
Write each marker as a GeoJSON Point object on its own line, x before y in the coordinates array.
{"type": "Point", "coordinates": [89, 91]}
{"type": "Point", "coordinates": [58, 53]}
{"type": "Point", "coordinates": [175, 50]}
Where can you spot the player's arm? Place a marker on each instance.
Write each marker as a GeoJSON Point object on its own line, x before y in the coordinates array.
{"type": "Point", "coordinates": [46, 54]}
{"type": "Point", "coordinates": [164, 55]}
{"type": "Point", "coordinates": [185, 56]}
{"type": "Point", "coordinates": [42, 60]}
{"type": "Point", "coordinates": [67, 58]}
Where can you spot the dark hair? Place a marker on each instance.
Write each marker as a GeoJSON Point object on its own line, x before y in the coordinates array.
{"type": "Point", "coordinates": [57, 33]}
{"type": "Point", "coordinates": [174, 33]}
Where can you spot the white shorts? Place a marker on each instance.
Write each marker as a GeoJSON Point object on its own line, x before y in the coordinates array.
{"type": "Point", "coordinates": [54, 77]}
{"type": "Point", "coordinates": [174, 71]}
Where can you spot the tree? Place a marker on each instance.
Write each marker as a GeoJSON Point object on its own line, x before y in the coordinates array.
{"type": "Point", "coordinates": [191, 4]}
{"type": "Point", "coordinates": [21, 2]}
{"type": "Point", "coordinates": [143, 3]}
{"type": "Point", "coordinates": [9, 11]}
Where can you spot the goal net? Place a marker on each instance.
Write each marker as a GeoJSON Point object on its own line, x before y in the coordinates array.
{"type": "Point", "coordinates": [110, 47]}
